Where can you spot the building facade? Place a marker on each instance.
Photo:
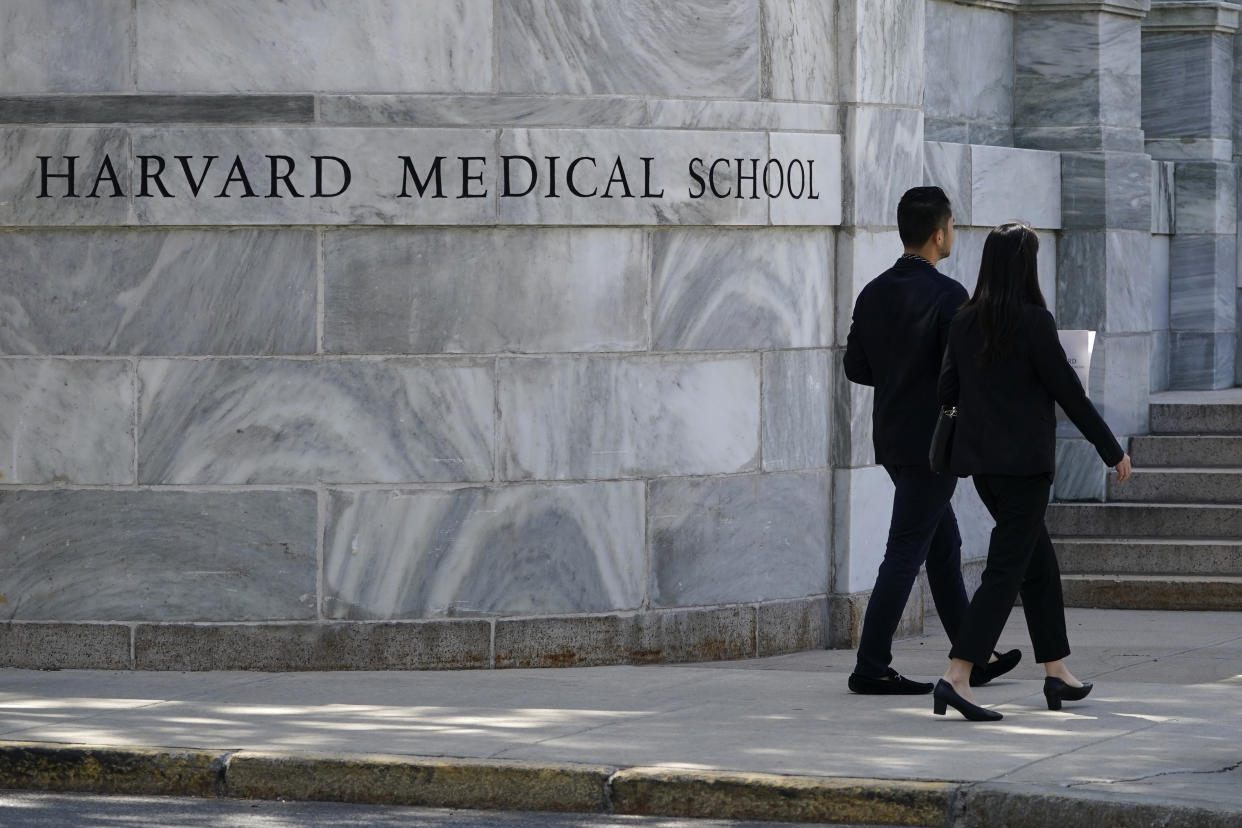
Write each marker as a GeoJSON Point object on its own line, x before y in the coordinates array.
{"type": "Point", "coordinates": [493, 333]}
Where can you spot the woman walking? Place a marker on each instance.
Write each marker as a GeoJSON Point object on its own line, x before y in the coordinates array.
{"type": "Point", "coordinates": [1003, 369]}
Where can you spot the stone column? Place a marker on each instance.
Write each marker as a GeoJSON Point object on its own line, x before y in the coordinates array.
{"type": "Point", "coordinates": [1077, 90]}
{"type": "Point", "coordinates": [1187, 118]}
{"type": "Point", "coordinates": [881, 79]}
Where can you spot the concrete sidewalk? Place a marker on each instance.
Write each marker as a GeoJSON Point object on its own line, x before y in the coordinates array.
{"type": "Point", "coordinates": [1159, 741]}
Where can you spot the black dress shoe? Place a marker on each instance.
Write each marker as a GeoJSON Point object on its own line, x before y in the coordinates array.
{"type": "Point", "coordinates": [945, 696]}
{"type": "Point", "coordinates": [894, 684]}
{"type": "Point", "coordinates": [1057, 691]}
{"type": "Point", "coordinates": [1005, 662]}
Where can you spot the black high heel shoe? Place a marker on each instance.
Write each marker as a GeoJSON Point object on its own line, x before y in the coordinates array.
{"type": "Point", "coordinates": [1057, 691]}
{"type": "Point", "coordinates": [945, 696]}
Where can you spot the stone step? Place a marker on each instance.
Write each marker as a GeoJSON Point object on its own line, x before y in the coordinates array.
{"type": "Point", "coordinates": [1155, 592]}
{"type": "Point", "coordinates": [1196, 418]}
{"type": "Point", "coordinates": [1144, 520]}
{"type": "Point", "coordinates": [1178, 485]}
{"type": "Point", "coordinates": [1150, 556]}
{"type": "Point", "coordinates": [1187, 451]}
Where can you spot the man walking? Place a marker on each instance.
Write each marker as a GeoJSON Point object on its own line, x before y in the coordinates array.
{"type": "Point", "coordinates": [896, 342]}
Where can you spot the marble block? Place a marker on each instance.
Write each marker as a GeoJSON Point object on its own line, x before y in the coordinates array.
{"type": "Point", "coordinates": [1104, 281]}
{"type": "Point", "coordinates": [1160, 276]}
{"type": "Point", "coordinates": [66, 46]}
{"type": "Point", "coordinates": [91, 555]}
{"type": "Point", "coordinates": [947, 166]}
{"type": "Point", "coordinates": [648, 416]}
{"type": "Point", "coordinates": [21, 176]}
{"type": "Point", "coordinates": [309, 45]}
{"type": "Point", "coordinates": [861, 256]}
{"type": "Point", "coordinates": [881, 51]}
{"type": "Point", "coordinates": [229, 421]}
{"type": "Point", "coordinates": [962, 264]}
{"type": "Point", "coordinates": [946, 130]}
{"type": "Point", "coordinates": [796, 207]}
{"type": "Point", "coordinates": [484, 291]}
{"type": "Point", "coordinates": [1163, 204]}
{"type": "Point", "coordinates": [1202, 282]}
{"type": "Point", "coordinates": [974, 524]}
{"type": "Point", "coordinates": [1120, 369]}
{"type": "Point", "coordinates": [66, 421]}
{"type": "Point", "coordinates": [1080, 473]}
{"type": "Point", "coordinates": [168, 292]}
{"type": "Point", "coordinates": [513, 550]}
{"type": "Point", "coordinates": [799, 50]}
{"type": "Point", "coordinates": [1076, 68]}
{"type": "Point", "coordinates": [1161, 346]}
{"type": "Point", "coordinates": [1201, 361]}
{"type": "Point", "coordinates": [1009, 184]}
{"type": "Point", "coordinates": [741, 289]}
{"type": "Point", "coordinates": [739, 539]}
{"type": "Point", "coordinates": [1186, 84]}
{"type": "Point", "coordinates": [862, 507]}
{"type": "Point", "coordinates": [707, 48]}
{"type": "Point", "coordinates": [134, 108]}
{"type": "Point", "coordinates": [883, 158]}
{"type": "Point", "coordinates": [1046, 261]}
{"type": "Point", "coordinates": [971, 50]}
{"type": "Point", "coordinates": [674, 197]}
{"type": "Point", "coordinates": [850, 419]}
{"type": "Point", "coordinates": [1206, 197]}
{"type": "Point", "coordinates": [378, 176]}
{"type": "Point", "coordinates": [1106, 190]}
{"type": "Point", "coordinates": [796, 405]}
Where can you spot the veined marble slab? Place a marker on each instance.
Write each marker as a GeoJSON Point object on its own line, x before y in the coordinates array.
{"type": "Point", "coordinates": [1120, 369]}
{"type": "Point", "coordinates": [947, 166]}
{"type": "Point", "coordinates": [485, 291]}
{"type": "Point", "coordinates": [862, 509]}
{"type": "Point", "coordinates": [463, 193]}
{"type": "Point", "coordinates": [1080, 473]}
{"type": "Point", "coordinates": [513, 550]}
{"type": "Point", "coordinates": [1186, 84]}
{"type": "Point", "coordinates": [707, 48]}
{"type": "Point", "coordinates": [1104, 281]}
{"type": "Point", "coordinates": [797, 388]}
{"type": "Point", "coordinates": [309, 45]}
{"type": "Point", "coordinates": [861, 256]}
{"type": "Point", "coordinates": [1011, 183]}
{"type": "Point", "coordinates": [302, 421]}
{"type": "Point", "coordinates": [825, 184]}
{"type": "Point", "coordinates": [850, 420]}
{"type": "Point", "coordinates": [1106, 190]}
{"type": "Point", "coordinates": [1206, 197]}
{"type": "Point", "coordinates": [66, 421]}
{"type": "Point", "coordinates": [882, 51]}
{"type": "Point", "coordinates": [66, 46]}
{"type": "Point", "coordinates": [722, 289]}
{"type": "Point", "coordinates": [569, 111]}
{"type": "Point", "coordinates": [1161, 348]}
{"type": "Point", "coordinates": [969, 63]}
{"type": "Point", "coordinates": [158, 292]}
{"type": "Point", "coordinates": [21, 176]}
{"type": "Point", "coordinates": [622, 188]}
{"type": "Point", "coordinates": [1163, 209]}
{"type": "Point", "coordinates": [1202, 282]}
{"type": "Point", "coordinates": [741, 538]}
{"type": "Point", "coordinates": [800, 50]}
{"type": "Point", "coordinates": [157, 555]}
{"type": "Point", "coordinates": [648, 416]}
{"type": "Point", "coordinates": [884, 158]}
{"type": "Point", "coordinates": [1202, 361]}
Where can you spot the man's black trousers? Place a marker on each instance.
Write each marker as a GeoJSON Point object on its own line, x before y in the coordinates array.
{"type": "Point", "coordinates": [923, 529]}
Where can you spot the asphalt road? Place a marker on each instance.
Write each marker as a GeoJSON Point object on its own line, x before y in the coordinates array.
{"type": "Point", "coordinates": [27, 810]}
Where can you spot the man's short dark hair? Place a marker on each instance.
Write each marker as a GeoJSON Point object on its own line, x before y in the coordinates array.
{"type": "Point", "coordinates": [921, 212]}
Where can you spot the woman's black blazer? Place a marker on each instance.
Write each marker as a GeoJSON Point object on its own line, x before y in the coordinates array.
{"type": "Point", "coordinates": [1006, 423]}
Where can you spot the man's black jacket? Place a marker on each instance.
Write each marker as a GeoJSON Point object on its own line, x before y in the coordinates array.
{"type": "Point", "coordinates": [896, 342]}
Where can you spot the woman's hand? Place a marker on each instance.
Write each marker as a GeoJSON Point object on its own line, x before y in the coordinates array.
{"type": "Point", "coordinates": [1123, 469]}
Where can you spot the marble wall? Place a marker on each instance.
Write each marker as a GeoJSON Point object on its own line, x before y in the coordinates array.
{"type": "Point", "coordinates": [281, 428]}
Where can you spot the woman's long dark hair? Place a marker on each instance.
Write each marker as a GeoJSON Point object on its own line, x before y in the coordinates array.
{"type": "Point", "coordinates": [1008, 280]}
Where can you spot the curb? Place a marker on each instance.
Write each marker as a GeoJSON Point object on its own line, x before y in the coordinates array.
{"type": "Point", "coordinates": [579, 788]}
